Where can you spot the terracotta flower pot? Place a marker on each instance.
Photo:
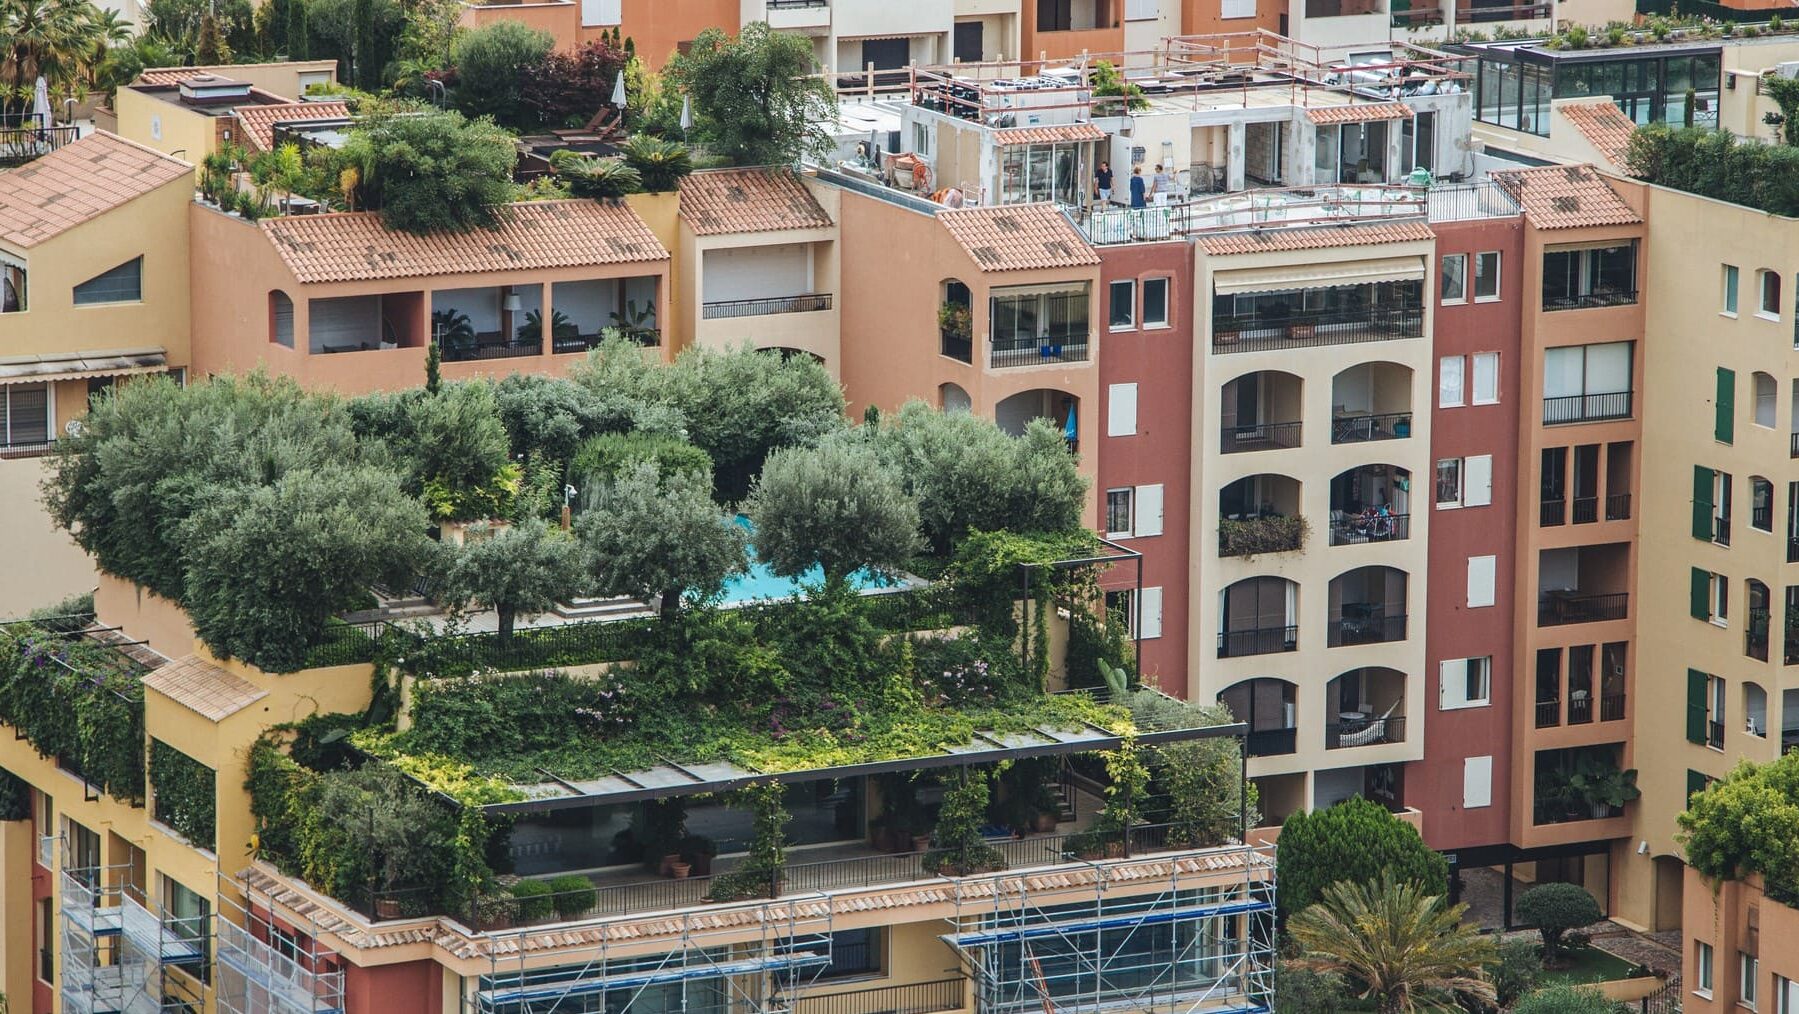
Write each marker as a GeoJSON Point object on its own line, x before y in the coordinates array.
{"type": "Point", "coordinates": [679, 870]}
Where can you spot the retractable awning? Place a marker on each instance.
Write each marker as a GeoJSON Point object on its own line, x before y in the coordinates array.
{"type": "Point", "coordinates": [81, 365]}
{"type": "Point", "coordinates": [1313, 276]}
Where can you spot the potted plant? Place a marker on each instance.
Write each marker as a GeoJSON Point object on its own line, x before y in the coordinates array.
{"type": "Point", "coordinates": [956, 320]}
{"type": "Point", "coordinates": [961, 850]}
{"type": "Point", "coordinates": [698, 851]}
{"type": "Point", "coordinates": [1598, 783]}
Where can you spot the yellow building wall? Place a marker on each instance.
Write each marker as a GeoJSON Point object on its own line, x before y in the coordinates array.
{"type": "Point", "coordinates": [16, 955]}
{"type": "Point", "coordinates": [46, 565]}
{"type": "Point", "coordinates": [165, 126]}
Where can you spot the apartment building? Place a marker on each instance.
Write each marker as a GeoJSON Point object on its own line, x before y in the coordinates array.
{"type": "Point", "coordinates": [191, 112]}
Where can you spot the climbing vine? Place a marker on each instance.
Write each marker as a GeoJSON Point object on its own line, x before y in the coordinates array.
{"type": "Point", "coordinates": [186, 794]}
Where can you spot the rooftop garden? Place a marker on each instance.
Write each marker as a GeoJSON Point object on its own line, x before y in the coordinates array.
{"type": "Point", "coordinates": [1748, 824]}
{"type": "Point", "coordinates": [1722, 166]}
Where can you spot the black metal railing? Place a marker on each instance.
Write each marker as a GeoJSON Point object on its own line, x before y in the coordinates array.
{"type": "Point", "coordinates": [564, 344]}
{"type": "Point", "coordinates": [1586, 510]}
{"type": "Point", "coordinates": [1272, 742]}
{"type": "Point", "coordinates": [466, 352]}
{"type": "Point", "coordinates": [350, 643]}
{"type": "Point", "coordinates": [1578, 408]}
{"type": "Point", "coordinates": [1721, 530]}
{"type": "Point", "coordinates": [1617, 506]}
{"type": "Point", "coordinates": [1417, 17]}
{"type": "Point", "coordinates": [782, 5]}
{"type": "Point", "coordinates": [1257, 641]}
{"type": "Point", "coordinates": [1580, 708]}
{"type": "Point", "coordinates": [1714, 733]}
{"type": "Point", "coordinates": [1251, 332]}
{"type": "Point", "coordinates": [1793, 446]}
{"type": "Point", "coordinates": [956, 346]}
{"type": "Point", "coordinates": [1611, 707]}
{"type": "Point", "coordinates": [1259, 437]}
{"type": "Point", "coordinates": [1354, 528]}
{"type": "Point", "coordinates": [21, 144]}
{"type": "Point", "coordinates": [1557, 609]}
{"type": "Point", "coordinates": [913, 998]}
{"type": "Point", "coordinates": [1561, 812]}
{"type": "Point", "coordinates": [1762, 517]}
{"type": "Point", "coordinates": [1357, 429]}
{"type": "Point", "coordinates": [1027, 350]}
{"type": "Point", "coordinates": [532, 647]}
{"type": "Point", "coordinates": [1585, 300]}
{"type": "Point", "coordinates": [1755, 635]}
{"type": "Point", "coordinates": [1549, 714]}
{"type": "Point", "coordinates": [758, 307]}
{"type": "Point", "coordinates": [23, 447]}
{"type": "Point", "coordinates": [1552, 513]}
{"type": "Point", "coordinates": [1793, 549]}
{"type": "Point", "coordinates": [1366, 732]}
{"type": "Point", "coordinates": [1378, 629]}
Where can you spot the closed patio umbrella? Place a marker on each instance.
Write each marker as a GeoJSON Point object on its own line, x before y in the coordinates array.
{"type": "Point", "coordinates": [618, 91]}
{"type": "Point", "coordinates": [1071, 431]}
{"type": "Point", "coordinates": [40, 103]}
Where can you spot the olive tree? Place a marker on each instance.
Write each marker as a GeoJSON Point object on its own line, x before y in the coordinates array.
{"type": "Point", "coordinates": [648, 535]}
{"type": "Point", "coordinates": [1554, 909]}
{"type": "Point", "coordinates": [523, 569]}
{"type": "Point", "coordinates": [1356, 841]}
{"type": "Point", "coordinates": [837, 506]}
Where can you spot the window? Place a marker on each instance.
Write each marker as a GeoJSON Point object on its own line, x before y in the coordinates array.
{"type": "Point", "coordinates": [856, 952]}
{"type": "Point", "coordinates": [1604, 275]}
{"type": "Point", "coordinates": [1486, 378]}
{"type": "Point", "coordinates": [1486, 276]}
{"type": "Point", "coordinates": [281, 318]}
{"type": "Point", "coordinates": [1482, 574]}
{"type": "Point", "coordinates": [12, 285]}
{"type": "Point", "coordinates": [1702, 968]}
{"type": "Point", "coordinates": [1709, 596]}
{"type": "Point", "coordinates": [1477, 782]}
{"type": "Point", "coordinates": [1711, 505]}
{"type": "Point", "coordinates": [123, 284]}
{"type": "Point", "coordinates": [1465, 482]}
{"type": "Point", "coordinates": [1786, 995]}
{"type": "Point", "coordinates": [1587, 383]}
{"type": "Point", "coordinates": [1118, 513]}
{"type": "Point", "coordinates": [1464, 683]}
{"type": "Point", "coordinates": [1155, 302]}
{"type": "Point", "coordinates": [1121, 311]}
{"type": "Point", "coordinates": [187, 917]}
{"type": "Point", "coordinates": [1449, 382]}
{"type": "Point", "coordinates": [1768, 287]}
{"type": "Point", "coordinates": [1730, 290]}
{"type": "Point", "coordinates": [1123, 603]}
{"type": "Point", "coordinates": [1455, 278]}
{"type": "Point", "coordinates": [1121, 410]}
{"type": "Point", "coordinates": [46, 940]}
{"type": "Point", "coordinates": [1449, 482]}
{"type": "Point", "coordinates": [1761, 504]}
{"type": "Point", "coordinates": [24, 415]}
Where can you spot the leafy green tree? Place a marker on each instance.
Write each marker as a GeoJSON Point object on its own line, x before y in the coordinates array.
{"type": "Point", "coordinates": [602, 179]}
{"type": "Point", "coordinates": [489, 61]}
{"type": "Point", "coordinates": [59, 39]}
{"type": "Point", "coordinates": [838, 506]}
{"type": "Point", "coordinates": [1203, 783]}
{"type": "Point", "coordinates": [1569, 1000]}
{"type": "Point", "coordinates": [1399, 941]}
{"type": "Point", "coordinates": [1300, 990]}
{"type": "Point", "coordinates": [649, 535]}
{"type": "Point", "coordinates": [1516, 971]}
{"type": "Point", "coordinates": [269, 564]}
{"type": "Point", "coordinates": [211, 48]}
{"type": "Point", "coordinates": [548, 415]}
{"type": "Point", "coordinates": [754, 96]}
{"type": "Point", "coordinates": [332, 33]}
{"type": "Point", "coordinates": [604, 457]}
{"type": "Point", "coordinates": [298, 32]}
{"type": "Point", "coordinates": [523, 569]}
{"type": "Point", "coordinates": [660, 164]}
{"type": "Point", "coordinates": [455, 446]}
{"type": "Point", "coordinates": [368, 53]}
{"type": "Point", "coordinates": [1354, 841]}
{"type": "Point", "coordinates": [1748, 823]}
{"type": "Point", "coordinates": [1554, 909]}
{"type": "Point", "coordinates": [432, 170]}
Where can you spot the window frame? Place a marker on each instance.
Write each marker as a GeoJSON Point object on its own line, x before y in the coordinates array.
{"type": "Point", "coordinates": [1476, 671]}
{"type": "Point", "coordinates": [1166, 320]}
{"type": "Point", "coordinates": [1459, 393]}
{"type": "Point", "coordinates": [1129, 494]}
{"type": "Point", "coordinates": [7, 413]}
{"type": "Point", "coordinates": [137, 262]}
{"type": "Point", "coordinates": [1717, 598]}
{"type": "Point", "coordinates": [1731, 282]}
{"type": "Point", "coordinates": [1748, 969]}
{"type": "Point", "coordinates": [1437, 483]}
{"type": "Point", "coordinates": [1474, 373]}
{"type": "Point", "coordinates": [1130, 304]}
{"type": "Point", "coordinates": [1702, 969]}
{"type": "Point", "coordinates": [1764, 277]}
{"type": "Point", "coordinates": [1480, 257]}
{"type": "Point", "coordinates": [1461, 276]}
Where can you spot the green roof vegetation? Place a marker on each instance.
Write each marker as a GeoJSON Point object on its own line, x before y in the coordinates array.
{"type": "Point", "coordinates": [1748, 824]}
{"type": "Point", "coordinates": [1719, 165]}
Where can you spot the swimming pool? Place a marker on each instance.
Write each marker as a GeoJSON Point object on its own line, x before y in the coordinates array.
{"type": "Point", "coordinates": [760, 583]}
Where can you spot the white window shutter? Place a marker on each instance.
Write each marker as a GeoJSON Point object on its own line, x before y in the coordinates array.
{"type": "Point", "coordinates": [1149, 613]}
{"type": "Point", "coordinates": [1451, 687]}
{"type": "Point", "coordinates": [1121, 410]}
{"type": "Point", "coordinates": [1149, 510]}
{"type": "Point", "coordinates": [601, 12]}
{"type": "Point", "coordinates": [1477, 782]}
{"type": "Point", "coordinates": [1481, 573]}
{"type": "Point", "coordinates": [1237, 9]}
{"type": "Point", "coordinates": [1141, 10]}
{"type": "Point", "coordinates": [1477, 480]}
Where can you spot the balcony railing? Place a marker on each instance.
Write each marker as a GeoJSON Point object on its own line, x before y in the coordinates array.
{"type": "Point", "coordinates": [1311, 328]}
{"type": "Point", "coordinates": [1552, 513]}
{"type": "Point", "coordinates": [1589, 299]}
{"type": "Point", "coordinates": [21, 144]}
{"type": "Point", "coordinates": [1549, 714]}
{"type": "Point", "coordinates": [786, 5]}
{"type": "Point", "coordinates": [956, 346]}
{"type": "Point", "coordinates": [1364, 732]}
{"type": "Point", "coordinates": [1260, 437]}
{"type": "Point", "coordinates": [916, 998]}
{"type": "Point", "coordinates": [1762, 518]}
{"type": "Point", "coordinates": [1611, 707]}
{"type": "Point", "coordinates": [1252, 536]}
{"type": "Point", "coordinates": [1586, 510]}
{"type": "Point", "coordinates": [1617, 506]}
{"type": "Point", "coordinates": [1755, 635]}
{"type": "Point", "coordinates": [1257, 641]}
{"type": "Point", "coordinates": [1557, 608]}
{"type": "Point", "coordinates": [464, 353]}
{"type": "Point", "coordinates": [1580, 708]}
{"type": "Point", "coordinates": [1516, 12]}
{"type": "Point", "coordinates": [1720, 530]}
{"type": "Point", "coordinates": [1353, 528]}
{"type": "Point", "coordinates": [1418, 17]}
{"type": "Point", "coordinates": [775, 304]}
{"type": "Point", "coordinates": [1028, 350]}
{"type": "Point", "coordinates": [1568, 813]}
{"type": "Point", "coordinates": [1357, 429]}
{"type": "Point", "coordinates": [1272, 742]}
{"type": "Point", "coordinates": [1371, 629]}
{"type": "Point", "coordinates": [1579, 408]}
{"type": "Point", "coordinates": [1714, 733]}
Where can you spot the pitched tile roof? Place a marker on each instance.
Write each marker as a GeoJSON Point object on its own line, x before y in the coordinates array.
{"type": "Point", "coordinates": [1604, 126]}
{"type": "Point", "coordinates": [200, 686]}
{"type": "Point", "coordinates": [176, 75]}
{"type": "Point", "coordinates": [1049, 135]}
{"type": "Point", "coordinates": [1270, 240]}
{"type": "Point", "coordinates": [259, 121]}
{"type": "Point", "coordinates": [77, 182]}
{"type": "Point", "coordinates": [749, 200]}
{"type": "Point", "coordinates": [354, 245]}
{"type": "Point", "coordinates": [1566, 197]}
{"type": "Point", "coordinates": [1018, 237]}
{"type": "Point", "coordinates": [1359, 112]}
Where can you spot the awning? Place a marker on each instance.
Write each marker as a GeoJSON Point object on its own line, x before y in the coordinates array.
{"type": "Point", "coordinates": [1314, 276]}
{"type": "Point", "coordinates": [81, 365]}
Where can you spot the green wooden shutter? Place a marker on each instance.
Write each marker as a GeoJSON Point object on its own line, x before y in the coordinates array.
{"type": "Point", "coordinates": [1696, 687]}
{"type": "Point", "coordinates": [1701, 602]}
{"type": "Point", "coordinates": [1727, 405]}
{"type": "Point", "coordinates": [1695, 784]}
{"type": "Point", "coordinates": [1702, 503]}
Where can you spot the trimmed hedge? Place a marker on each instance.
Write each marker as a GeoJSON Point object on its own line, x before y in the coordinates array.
{"type": "Point", "coordinates": [186, 794]}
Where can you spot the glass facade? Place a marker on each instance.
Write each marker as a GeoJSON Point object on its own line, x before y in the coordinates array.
{"type": "Point", "coordinates": [1513, 87]}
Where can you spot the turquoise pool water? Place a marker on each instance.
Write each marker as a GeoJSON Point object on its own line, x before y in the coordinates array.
{"type": "Point", "coordinates": [760, 583]}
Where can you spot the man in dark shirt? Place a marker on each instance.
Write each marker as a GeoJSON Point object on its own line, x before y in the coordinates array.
{"type": "Point", "coordinates": [1102, 182]}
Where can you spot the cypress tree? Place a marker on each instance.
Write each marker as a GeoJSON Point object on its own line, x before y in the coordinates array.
{"type": "Point", "coordinates": [298, 43]}
{"type": "Point", "coordinates": [368, 70]}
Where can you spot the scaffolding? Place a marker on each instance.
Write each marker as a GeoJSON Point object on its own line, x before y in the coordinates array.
{"type": "Point", "coordinates": [120, 956]}
{"type": "Point", "coordinates": [270, 967]}
{"type": "Point", "coordinates": [1184, 947]}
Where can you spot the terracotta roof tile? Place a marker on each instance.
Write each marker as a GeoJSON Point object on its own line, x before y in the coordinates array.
{"type": "Point", "coordinates": [259, 121]}
{"type": "Point", "coordinates": [78, 182]}
{"type": "Point", "coordinates": [176, 75]}
{"type": "Point", "coordinates": [1604, 126]}
{"type": "Point", "coordinates": [202, 687]}
{"type": "Point", "coordinates": [1018, 237]}
{"type": "Point", "coordinates": [1049, 135]}
{"type": "Point", "coordinates": [1271, 240]}
{"type": "Point", "coordinates": [1566, 197]}
{"type": "Point", "coordinates": [1359, 112]}
{"type": "Point", "coordinates": [351, 246]}
{"type": "Point", "coordinates": [749, 200]}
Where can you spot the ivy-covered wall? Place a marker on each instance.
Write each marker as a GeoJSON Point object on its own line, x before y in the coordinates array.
{"type": "Point", "coordinates": [15, 797]}
{"type": "Point", "coordinates": [75, 700]}
{"type": "Point", "coordinates": [186, 794]}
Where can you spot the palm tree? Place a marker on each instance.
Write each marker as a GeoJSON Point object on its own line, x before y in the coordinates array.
{"type": "Point", "coordinates": [57, 39]}
{"type": "Point", "coordinates": [1400, 942]}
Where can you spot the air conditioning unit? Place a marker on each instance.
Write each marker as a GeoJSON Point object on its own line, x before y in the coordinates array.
{"type": "Point", "coordinates": [1787, 69]}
